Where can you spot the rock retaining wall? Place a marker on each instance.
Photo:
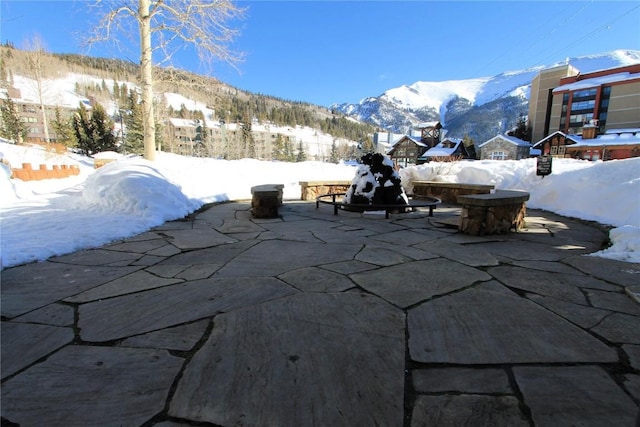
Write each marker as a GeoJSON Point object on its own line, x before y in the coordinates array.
{"type": "Point", "coordinates": [309, 190]}
{"type": "Point", "coordinates": [448, 192]}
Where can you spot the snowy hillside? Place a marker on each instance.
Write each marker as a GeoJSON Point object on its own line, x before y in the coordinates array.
{"type": "Point", "coordinates": [63, 91]}
{"type": "Point", "coordinates": [405, 106]}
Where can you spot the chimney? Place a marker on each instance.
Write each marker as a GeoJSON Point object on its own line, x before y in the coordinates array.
{"type": "Point", "coordinates": [590, 130]}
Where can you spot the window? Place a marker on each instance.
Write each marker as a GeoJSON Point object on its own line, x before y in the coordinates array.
{"type": "Point", "coordinates": [585, 93]}
{"type": "Point", "coordinates": [577, 120]}
{"type": "Point", "coordinates": [498, 155]}
{"type": "Point", "coordinates": [583, 105]}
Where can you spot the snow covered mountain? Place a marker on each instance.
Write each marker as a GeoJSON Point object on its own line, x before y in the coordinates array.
{"type": "Point", "coordinates": [479, 108]}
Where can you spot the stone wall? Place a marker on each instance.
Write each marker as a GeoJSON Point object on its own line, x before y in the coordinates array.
{"type": "Point", "coordinates": [309, 190]}
{"type": "Point", "coordinates": [448, 192]}
{"type": "Point", "coordinates": [480, 220]}
{"type": "Point", "coordinates": [495, 213]}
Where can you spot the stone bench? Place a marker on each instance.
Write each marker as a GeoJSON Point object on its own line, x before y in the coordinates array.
{"type": "Point", "coordinates": [448, 192]}
{"type": "Point", "coordinates": [310, 190]}
{"type": "Point", "coordinates": [265, 200]}
{"type": "Point", "coordinates": [493, 213]}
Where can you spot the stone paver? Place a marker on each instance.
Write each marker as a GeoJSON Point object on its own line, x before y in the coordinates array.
{"type": "Point", "coordinates": [173, 305]}
{"type": "Point", "coordinates": [574, 395]}
{"type": "Point", "coordinates": [493, 327]}
{"type": "Point", "coordinates": [409, 283]}
{"type": "Point", "coordinates": [308, 359]}
{"type": "Point", "coordinates": [471, 410]}
{"type": "Point", "coordinates": [91, 386]}
{"type": "Point", "coordinates": [467, 380]}
{"type": "Point", "coordinates": [26, 288]}
{"type": "Point", "coordinates": [24, 343]}
{"type": "Point", "coordinates": [320, 319]}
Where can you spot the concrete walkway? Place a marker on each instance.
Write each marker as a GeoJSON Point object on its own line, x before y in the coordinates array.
{"type": "Point", "coordinates": [313, 319]}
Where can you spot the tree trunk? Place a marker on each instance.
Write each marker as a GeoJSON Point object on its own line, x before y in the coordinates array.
{"type": "Point", "coordinates": [146, 71]}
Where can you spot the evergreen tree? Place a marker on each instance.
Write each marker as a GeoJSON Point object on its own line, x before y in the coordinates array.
{"type": "Point", "coordinates": [83, 131]}
{"type": "Point", "coordinates": [133, 132]}
{"type": "Point", "coordinates": [93, 131]}
{"type": "Point", "coordinates": [249, 144]}
{"type": "Point", "coordinates": [278, 148]}
{"type": "Point", "coordinates": [367, 145]}
{"type": "Point", "coordinates": [522, 131]}
{"type": "Point", "coordinates": [302, 156]}
{"type": "Point", "coordinates": [199, 149]}
{"type": "Point", "coordinates": [333, 157]}
{"type": "Point", "coordinates": [103, 130]}
{"type": "Point", "coordinates": [289, 155]}
{"type": "Point", "coordinates": [470, 146]}
{"type": "Point", "coordinates": [63, 129]}
{"type": "Point", "coordinates": [4, 76]}
{"type": "Point", "coordinates": [12, 127]}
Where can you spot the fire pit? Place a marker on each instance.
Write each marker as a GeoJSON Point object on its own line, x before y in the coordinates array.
{"type": "Point", "coordinates": [376, 186]}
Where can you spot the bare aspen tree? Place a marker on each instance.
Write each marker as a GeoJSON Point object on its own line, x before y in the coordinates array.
{"type": "Point", "coordinates": [35, 61]}
{"type": "Point", "coordinates": [164, 26]}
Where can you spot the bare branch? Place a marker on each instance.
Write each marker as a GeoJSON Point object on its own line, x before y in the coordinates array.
{"type": "Point", "coordinates": [112, 23]}
{"type": "Point", "coordinates": [201, 23]}
{"type": "Point", "coordinates": [163, 26]}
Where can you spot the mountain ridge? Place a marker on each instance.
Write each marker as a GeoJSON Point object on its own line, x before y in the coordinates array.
{"type": "Point", "coordinates": [459, 104]}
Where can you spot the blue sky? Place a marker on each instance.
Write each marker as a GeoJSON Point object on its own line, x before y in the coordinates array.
{"type": "Point", "coordinates": [327, 52]}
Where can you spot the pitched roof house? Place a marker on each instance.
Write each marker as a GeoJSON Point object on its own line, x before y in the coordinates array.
{"type": "Point", "coordinates": [407, 150]}
{"type": "Point", "coordinates": [448, 149]}
{"type": "Point", "coordinates": [613, 144]}
{"type": "Point", "coordinates": [504, 147]}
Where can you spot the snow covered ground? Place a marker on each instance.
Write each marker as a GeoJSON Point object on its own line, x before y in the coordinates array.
{"type": "Point", "coordinates": [40, 219]}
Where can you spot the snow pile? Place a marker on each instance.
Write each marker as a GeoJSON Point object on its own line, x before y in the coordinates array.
{"type": "Point", "coordinates": [40, 219]}
{"type": "Point", "coordinates": [136, 187]}
{"type": "Point", "coordinates": [605, 192]}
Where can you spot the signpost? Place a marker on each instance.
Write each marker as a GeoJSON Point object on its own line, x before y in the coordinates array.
{"type": "Point", "coordinates": [543, 167]}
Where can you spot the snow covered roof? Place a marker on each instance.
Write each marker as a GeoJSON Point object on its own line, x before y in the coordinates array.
{"type": "Point", "coordinates": [609, 138]}
{"type": "Point", "coordinates": [186, 123]}
{"type": "Point", "coordinates": [416, 140]}
{"type": "Point", "coordinates": [619, 131]}
{"type": "Point", "coordinates": [444, 149]}
{"type": "Point", "coordinates": [429, 124]}
{"type": "Point", "coordinates": [597, 81]}
{"type": "Point", "coordinates": [512, 139]}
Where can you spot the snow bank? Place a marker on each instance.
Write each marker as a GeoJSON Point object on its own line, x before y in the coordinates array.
{"type": "Point", "coordinates": [40, 219]}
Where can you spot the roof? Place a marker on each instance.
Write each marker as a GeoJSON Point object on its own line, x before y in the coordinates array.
{"type": "Point", "coordinates": [598, 81]}
{"type": "Point", "coordinates": [442, 149]}
{"type": "Point", "coordinates": [435, 124]}
{"type": "Point", "coordinates": [185, 123]}
{"type": "Point", "coordinates": [416, 140]}
{"type": "Point", "coordinates": [611, 137]}
{"type": "Point", "coordinates": [512, 139]}
{"type": "Point", "coordinates": [607, 139]}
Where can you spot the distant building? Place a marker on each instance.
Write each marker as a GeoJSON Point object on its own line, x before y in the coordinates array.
{"type": "Point", "coordinates": [430, 133]}
{"type": "Point", "coordinates": [593, 115]}
{"type": "Point", "coordinates": [383, 141]}
{"type": "Point", "coordinates": [448, 149]}
{"type": "Point", "coordinates": [215, 139]}
{"type": "Point", "coordinates": [504, 147]}
{"type": "Point", "coordinates": [30, 113]}
{"type": "Point", "coordinates": [408, 149]}
{"type": "Point", "coordinates": [614, 144]}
